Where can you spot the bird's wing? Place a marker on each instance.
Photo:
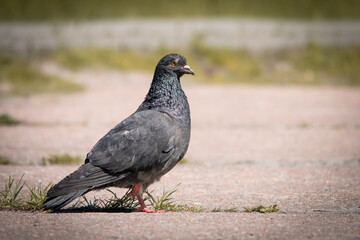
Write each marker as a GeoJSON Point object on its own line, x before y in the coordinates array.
{"type": "Point", "coordinates": [139, 143]}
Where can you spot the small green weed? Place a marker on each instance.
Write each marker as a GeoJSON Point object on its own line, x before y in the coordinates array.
{"type": "Point", "coordinates": [61, 159]}
{"type": "Point", "coordinates": [165, 202]}
{"type": "Point", "coordinates": [114, 204]}
{"type": "Point", "coordinates": [6, 161]}
{"type": "Point", "coordinates": [168, 203]}
{"type": "Point", "coordinates": [6, 119]}
{"type": "Point", "coordinates": [219, 209]}
{"type": "Point", "coordinates": [13, 198]}
{"type": "Point", "coordinates": [183, 208]}
{"type": "Point", "coordinates": [37, 197]}
{"type": "Point", "coordinates": [262, 209]}
{"type": "Point", "coordinates": [10, 197]}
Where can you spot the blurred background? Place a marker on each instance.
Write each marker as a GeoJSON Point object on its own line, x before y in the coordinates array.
{"type": "Point", "coordinates": [277, 42]}
{"type": "Point", "coordinates": [64, 64]}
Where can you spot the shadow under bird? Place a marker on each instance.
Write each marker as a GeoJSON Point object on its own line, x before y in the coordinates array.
{"type": "Point", "coordinates": [141, 148]}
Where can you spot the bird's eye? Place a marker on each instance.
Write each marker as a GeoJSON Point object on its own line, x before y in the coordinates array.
{"type": "Point", "coordinates": [174, 62]}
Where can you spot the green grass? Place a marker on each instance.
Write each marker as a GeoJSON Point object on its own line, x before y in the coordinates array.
{"type": "Point", "coordinates": [102, 57]}
{"type": "Point", "coordinates": [263, 209]}
{"type": "Point", "coordinates": [39, 10]}
{"type": "Point", "coordinates": [309, 65]}
{"type": "Point", "coordinates": [19, 77]}
{"type": "Point", "coordinates": [183, 208]}
{"type": "Point", "coordinates": [336, 65]}
{"type": "Point", "coordinates": [128, 204]}
{"type": "Point", "coordinates": [6, 161]}
{"type": "Point", "coordinates": [6, 119]}
{"type": "Point", "coordinates": [12, 197]}
{"type": "Point", "coordinates": [168, 203]}
{"type": "Point", "coordinates": [15, 196]}
{"type": "Point", "coordinates": [165, 201]}
{"type": "Point", "coordinates": [61, 159]}
{"type": "Point", "coordinates": [220, 209]}
{"type": "Point", "coordinates": [114, 204]}
{"type": "Point", "coordinates": [37, 196]}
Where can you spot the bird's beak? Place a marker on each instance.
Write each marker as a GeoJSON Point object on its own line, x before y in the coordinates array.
{"type": "Point", "coordinates": [188, 70]}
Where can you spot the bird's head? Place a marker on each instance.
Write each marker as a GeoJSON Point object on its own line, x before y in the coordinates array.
{"type": "Point", "coordinates": [175, 63]}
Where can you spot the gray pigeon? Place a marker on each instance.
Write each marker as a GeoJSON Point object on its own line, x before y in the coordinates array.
{"type": "Point", "coordinates": [141, 148]}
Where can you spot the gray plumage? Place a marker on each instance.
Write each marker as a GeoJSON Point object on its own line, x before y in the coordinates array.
{"type": "Point", "coordinates": [141, 148]}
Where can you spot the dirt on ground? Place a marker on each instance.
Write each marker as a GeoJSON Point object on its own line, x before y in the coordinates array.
{"type": "Point", "coordinates": [294, 146]}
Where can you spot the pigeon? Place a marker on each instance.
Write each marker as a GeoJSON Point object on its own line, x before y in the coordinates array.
{"type": "Point", "coordinates": [142, 148]}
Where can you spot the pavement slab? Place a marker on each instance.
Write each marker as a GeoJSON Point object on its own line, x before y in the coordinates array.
{"type": "Point", "coordinates": [294, 146]}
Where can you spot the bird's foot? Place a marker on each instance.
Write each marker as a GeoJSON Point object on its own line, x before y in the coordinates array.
{"type": "Point", "coordinates": [135, 192]}
{"type": "Point", "coordinates": [149, 210]}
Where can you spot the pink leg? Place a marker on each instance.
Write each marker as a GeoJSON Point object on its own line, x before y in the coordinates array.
{"type": "Point", "coordinates": [143, 208]}
{"type": "Point", "coordinates": [134, 190]}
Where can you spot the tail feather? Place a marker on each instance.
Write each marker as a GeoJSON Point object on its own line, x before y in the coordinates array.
{"type": "Point", "coordinates": [62, 201]}
{"type": "Point", "coordinates": [83, 180]}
